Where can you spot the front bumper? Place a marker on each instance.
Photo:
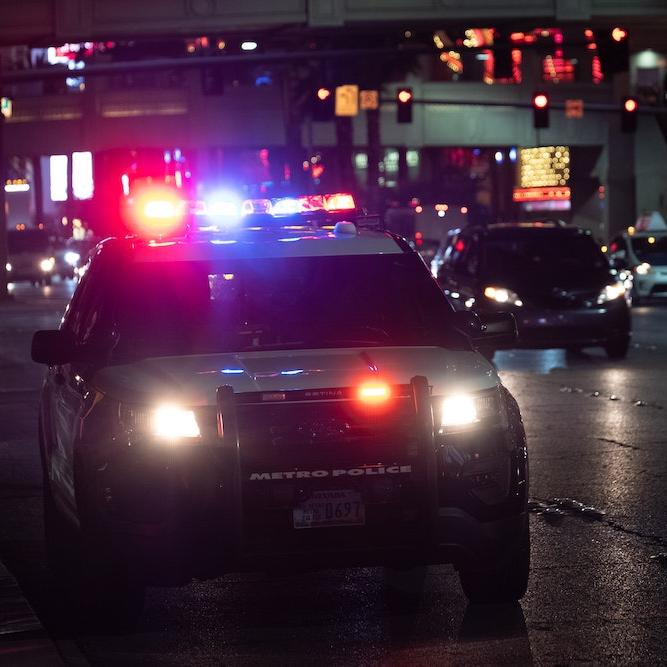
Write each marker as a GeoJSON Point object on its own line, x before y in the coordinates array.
{"type": "Point", "coordinates": [192, 511]}
{"type": "Point", "coordinates": [580, 327]}
{"type": "Point", "coordinates": [653, 284]}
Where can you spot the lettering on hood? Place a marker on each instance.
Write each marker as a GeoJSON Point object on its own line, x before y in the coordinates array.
{"type": "Point", "coordinates": [337, 472]}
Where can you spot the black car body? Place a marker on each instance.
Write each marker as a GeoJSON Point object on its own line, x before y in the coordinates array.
{"type": "Point", "coordinates": [277, 431]}
{"type": "Point", "coordinates": [553, 277]}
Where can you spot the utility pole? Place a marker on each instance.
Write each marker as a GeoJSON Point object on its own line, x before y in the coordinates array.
{"type": "Point", "coordinates": [4, 294]}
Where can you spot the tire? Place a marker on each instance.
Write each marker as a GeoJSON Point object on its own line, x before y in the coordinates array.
{"type": "Point", "coordinates": [504, 584]}
{"type": "Point", "coordinates": [617, 348]}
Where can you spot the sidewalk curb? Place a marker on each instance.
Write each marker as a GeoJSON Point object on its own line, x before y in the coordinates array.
{"type": "Point", "coordinates": [23, 639]}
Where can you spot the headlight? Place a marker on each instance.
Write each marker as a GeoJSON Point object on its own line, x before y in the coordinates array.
{"type": "Point", "coordinates": [166, 423]}
{"type": "Point", "coordinates": [170, 422]}
{"type": "Point", "coordinates": [502, 295]}
{"type": "Point", "coordinates": [611, 292]}
{"type": "Point", "coordinates": [46, 265]}
{"type": "Point", "coordinates": [462, 412]}
{"type": "Point", "coordinates": [72, 258]}
{"type": "Point", "coordinates": [458, 411]}
{"type": "Point", "coordinates": [8, 267]}
{"type": "Point", "coordinates": [643, 268]}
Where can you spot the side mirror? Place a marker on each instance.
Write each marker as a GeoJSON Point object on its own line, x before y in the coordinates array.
{"type": "Point", "coordinates": [491, 330]}
{"type": "Point", "coordinates": [52, 347]}
{"type": "Point", "coordinates": [498, 330]}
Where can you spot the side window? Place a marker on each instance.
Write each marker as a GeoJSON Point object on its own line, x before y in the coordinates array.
{"type": "Point", "coordinates": [89, 312]}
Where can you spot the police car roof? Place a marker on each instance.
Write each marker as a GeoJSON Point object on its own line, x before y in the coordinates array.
{"type": "Point", "coordinates": [265, 243]}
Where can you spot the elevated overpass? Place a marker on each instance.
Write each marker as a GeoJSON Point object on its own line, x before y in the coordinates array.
{"type": "Point", "coordinates": [57, 21]}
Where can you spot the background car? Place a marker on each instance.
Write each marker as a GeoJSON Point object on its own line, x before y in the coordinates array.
{"type": "Point", "coordinates": [554, 278]}
{"type": "Point", "coordinates": [30, 256]}
{"type": "Point", "coordinates": [645, 254]}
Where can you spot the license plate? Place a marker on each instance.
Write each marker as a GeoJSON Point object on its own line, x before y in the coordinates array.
{"type": "Point", "coordinates": [330, 508]}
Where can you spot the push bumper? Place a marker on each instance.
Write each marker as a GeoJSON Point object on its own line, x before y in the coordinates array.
{"type": "Point", "coordinates": [193, 516]}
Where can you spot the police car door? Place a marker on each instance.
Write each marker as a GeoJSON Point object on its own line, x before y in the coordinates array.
{"type": "Point", "coordinates": [72, 396]}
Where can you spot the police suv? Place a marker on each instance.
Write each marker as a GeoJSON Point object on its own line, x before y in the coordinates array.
{"type": "Point", "coordinates": [278, 390]}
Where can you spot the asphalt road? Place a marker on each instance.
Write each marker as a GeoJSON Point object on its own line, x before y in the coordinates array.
{"type": "Point", "coordinates": [597, 434]}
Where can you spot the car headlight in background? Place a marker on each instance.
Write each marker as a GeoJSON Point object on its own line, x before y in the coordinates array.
{"type": "Point", "coordinates": [643, 269]}
{"type": "Point", "coordinates": [502, 295]}
{"type": "Point", "coordinates": [72, 258]}
{"type": "Point", "coordinates": [47, 265]}
{"type": "Point", "coordinates": [611, 293]}
{"type": "Point", "coordinates": [8, 267]}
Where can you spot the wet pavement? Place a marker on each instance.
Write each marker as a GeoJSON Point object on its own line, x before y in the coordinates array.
{"type": "Point", "coordinates": [598, 591]}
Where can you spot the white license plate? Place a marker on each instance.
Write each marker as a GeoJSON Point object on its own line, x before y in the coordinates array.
{"type": "Point", "coordinates": [330, 508]}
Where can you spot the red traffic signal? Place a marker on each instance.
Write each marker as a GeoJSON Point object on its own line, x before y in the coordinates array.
{"type": "Point", "coordinates": [540, 110]}
{"type": "Point", "coordinates": [629, 114]}
{"type": "Point", "coordinates": [404, 99]}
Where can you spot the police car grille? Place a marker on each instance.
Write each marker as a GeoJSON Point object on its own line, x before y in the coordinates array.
{"type": "Point", "coordinates": [300, 434]}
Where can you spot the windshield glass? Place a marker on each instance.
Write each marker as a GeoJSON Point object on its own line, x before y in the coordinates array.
{"type": "Point", "coordinates": [31, 240]}
{"type": "Point", "coordinates": [280, 303]}
{"type": "Point", "coordinates": [544, 258]}
{"type": "Point", "coordinates": [653, 253]}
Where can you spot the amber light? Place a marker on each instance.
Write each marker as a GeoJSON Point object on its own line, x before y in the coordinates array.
{"type": "Point", "coordinates": [630, 105]}
{"type": "Point", "coordinates": [157, 211]}
{"type": "Point", "coordinates": [374, 393]}
{"type": "Point", "coordinates": [404, 96]}
{"type": "Point", "coordinates": [619, 34]}
{"type": "Point", "coordinates": [323, 93]}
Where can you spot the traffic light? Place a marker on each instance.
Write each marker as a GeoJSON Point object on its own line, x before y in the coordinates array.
{"type": "Point", "coordinates": [540, 110]}
{"type": "Point", "coordinates": [613, 51]}
{"type": "Point", "coordinates": [404, 98]}
{"type": "Point", "coordinates": [629, 114]}
{"type": "Point", "coordinates": [324, 104]}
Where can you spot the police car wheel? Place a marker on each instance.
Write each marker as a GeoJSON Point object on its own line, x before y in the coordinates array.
{"type": "Point", "coordinates": [504, 584]}
{"type": "Point", "coordinates": [617, 348]}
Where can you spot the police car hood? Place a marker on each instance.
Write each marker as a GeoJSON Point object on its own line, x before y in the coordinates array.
{"type": "Point", "coordinates": [193, 380]}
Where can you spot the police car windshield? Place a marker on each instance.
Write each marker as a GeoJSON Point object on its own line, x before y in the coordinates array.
{"type": "Point", "coordinates": [544, 257]}
{"type": "Point", "coordinates": [653, 253]}
{"type": "Point", "coordinates": [198, 307]}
